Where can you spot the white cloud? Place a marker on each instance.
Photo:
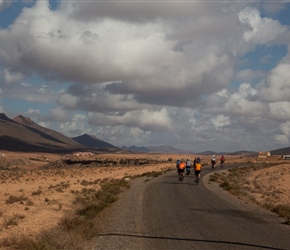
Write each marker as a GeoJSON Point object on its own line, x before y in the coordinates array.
{"type": "Point", "coordinates": [58, 114]}
{"type": "Point", "coordinates": [121, 135]}
{"type": "Point", "coordinates": [68, 101]}
{"type": "Point", "coordinates": [157, 120]}
{"type": "Point", "coordinates": [12, 77]}
{"type": "Point", "coordinates": [220, 121]}
{"type": "Point", "coordinates": [285, 127]}
{"type": "Point", "coordinates": [163, 73]}
{"type": "Point", "coordinates": [32, 112]}
{"type": "Point", "coordinates": [277, 84]}
{"type": "Point", "coordinates": [76, 126]}
{"type": "Point", "coordinates": [247, 75]}
{"type": "Point", "coordinates": [263, 30]}
{"type": "Point", "coordinates": [279, 110]}
{"type": "Point", "coordinates": [281, 139]}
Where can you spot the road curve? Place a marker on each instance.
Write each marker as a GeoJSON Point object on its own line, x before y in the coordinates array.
{"type": "Point", "coordinates": [161, 213]}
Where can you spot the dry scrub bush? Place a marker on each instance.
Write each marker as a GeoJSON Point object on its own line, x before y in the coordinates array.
{"type": "Point", "coordinates": [12, 199]}
{"type": "Point", "coordinates": [12, 221]}
{"type": "Point", "coordinates": [77, 229]}
{"type": "Point", "coordinates": [235, 182]}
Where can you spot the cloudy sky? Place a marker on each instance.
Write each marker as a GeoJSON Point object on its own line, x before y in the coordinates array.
{"type": "Point", "coordinates": [197, 75]}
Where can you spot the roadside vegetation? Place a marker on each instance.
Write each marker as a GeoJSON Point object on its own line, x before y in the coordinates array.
{"type": "Point", "coordinates": [237, 182]}
{"type": "Point", "coordinates": [77, 228]}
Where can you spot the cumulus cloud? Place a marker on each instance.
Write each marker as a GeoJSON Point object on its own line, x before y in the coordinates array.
{"type": "Point", "coordinates": [281, 139]}
{"type": "Point", "coordinates": [279, 111]}
{"type": "Point", "coordinates": [220, 121]}
{"type": "Point", "coordinates": [75, 127]}
{"type": "Point", "coordinates": [248, 75]}
{"type": "Point", "coordinates": [147, 72]}
{"type": "Point", "coordinates": [121, 135]}
{"type": "Point", "coordinates": [276, 86]}
{"type": "Point", "coordinates": [263, 30]}
{"type": "Point", "coordinates": [157, 120]}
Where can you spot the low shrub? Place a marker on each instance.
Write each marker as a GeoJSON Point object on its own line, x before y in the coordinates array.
{"type": "Point", "coordinates": [12, 199]}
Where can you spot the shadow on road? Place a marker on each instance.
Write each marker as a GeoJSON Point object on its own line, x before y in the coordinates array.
{"type": "Point", "coordinates": [190, 240]}
{"type": "Point", "coordinates": [178, 183]}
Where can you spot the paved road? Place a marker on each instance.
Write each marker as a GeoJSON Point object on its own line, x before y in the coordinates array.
{"type": "Point", "coordinates": [164, 214]}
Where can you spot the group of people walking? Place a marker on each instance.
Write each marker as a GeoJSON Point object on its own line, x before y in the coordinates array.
{"type": "Point", "coordinates": [185, 166]}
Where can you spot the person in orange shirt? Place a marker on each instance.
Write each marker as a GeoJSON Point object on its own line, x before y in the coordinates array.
{"type": "Point", "coordinates": [181, 167]}
{"type": "Point", "coordinates": [197, 171]}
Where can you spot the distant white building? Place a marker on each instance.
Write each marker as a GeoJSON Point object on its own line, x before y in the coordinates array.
{"type": "Point", "coordinates": [83, 154]}
{"type": "Point", "coordinates": [286, 157]}
{"type": "Point", "coordinates": [264, 154]}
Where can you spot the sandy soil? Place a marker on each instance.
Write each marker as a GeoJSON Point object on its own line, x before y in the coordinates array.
{"type": "Point", "coordinates": [46, 193]}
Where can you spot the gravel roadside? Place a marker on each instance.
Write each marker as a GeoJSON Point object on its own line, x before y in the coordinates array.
{"type": "Point", "coordinates": [118, 223]}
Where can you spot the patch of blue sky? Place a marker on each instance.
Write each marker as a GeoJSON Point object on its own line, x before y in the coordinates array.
{"type": "Point", "coordinates": [234, 85]}
{"type": "Point", "coordinates": [53, 4]}
{"type": "Point", "coordinates": [263, 57]}
{"type": "Point", "coordinates": [56, 85]}
{"type": "Point", "coordinates": [19, 106]}
{"type": "Point", "coordinates": [284, 15]}
{"type": "Point", "coordinates": [9, 14]}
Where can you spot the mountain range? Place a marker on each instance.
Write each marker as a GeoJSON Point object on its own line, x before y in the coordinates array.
{"type": "Point", "coordinates": [164, 149]}
{"type": "Point", "coordinates": [24, 135]}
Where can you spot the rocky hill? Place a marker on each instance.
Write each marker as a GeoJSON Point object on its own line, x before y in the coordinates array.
{"type": "Point", "coordinates": [23, 135]}
{"type": "Point", "coordinates": [92, 142]}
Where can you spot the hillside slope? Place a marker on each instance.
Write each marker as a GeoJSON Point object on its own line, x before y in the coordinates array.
{"type": "Point", "coordinates": [15, 136]}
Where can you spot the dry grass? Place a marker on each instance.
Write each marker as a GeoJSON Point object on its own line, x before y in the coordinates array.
{"type": "Point", "coordinates": [260, 184]}
{"type": "Point", "coordinates": [53, 203]}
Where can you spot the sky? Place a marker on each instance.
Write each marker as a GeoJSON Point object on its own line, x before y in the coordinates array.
{"type": "Point", "coordinates": [194, 75]}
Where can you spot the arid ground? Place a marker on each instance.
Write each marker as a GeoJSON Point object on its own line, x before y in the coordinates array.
{"type": "Point", "coordinates": [37, 190]}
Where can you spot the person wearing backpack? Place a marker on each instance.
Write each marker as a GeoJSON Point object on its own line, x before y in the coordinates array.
{"type": "Point", "coordinates": [188, 165]}
{"type": "Point", "coordinates": [177, 166]}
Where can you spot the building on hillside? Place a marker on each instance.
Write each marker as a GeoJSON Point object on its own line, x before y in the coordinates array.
{"type": "Point", "coordinates": [83, 154]}
{"type": "Point", "coordinates": [264, 154]}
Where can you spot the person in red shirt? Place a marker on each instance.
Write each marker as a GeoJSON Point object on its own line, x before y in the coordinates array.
{"type": "Point", "coordinates": [222, 160]}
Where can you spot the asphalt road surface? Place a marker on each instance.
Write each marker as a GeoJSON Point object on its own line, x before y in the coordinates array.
{"type": "Point", "coordinates": [161, 213]}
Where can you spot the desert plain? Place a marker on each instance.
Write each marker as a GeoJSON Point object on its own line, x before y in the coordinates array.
{"type": "Point", "coordinates": [38, 189]}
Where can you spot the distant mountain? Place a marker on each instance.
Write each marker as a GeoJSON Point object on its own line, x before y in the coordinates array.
{"type": "Point", "coordinates": [135, 149]}
{"type": "Point", "coordinates": [281, 151]}
{"type": "Point", "coordinates": [241, 152]}
{"type": "Point", "coordinates": [92, 142]}
{"type": "Point", "coordinates": [207, 153]}
{"type": "Point", "coordinates": [163, 149]}
{"type": "Point", "coordinates": [22, 134]}
{"type": "Point", "coordinates": [53, 134]}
